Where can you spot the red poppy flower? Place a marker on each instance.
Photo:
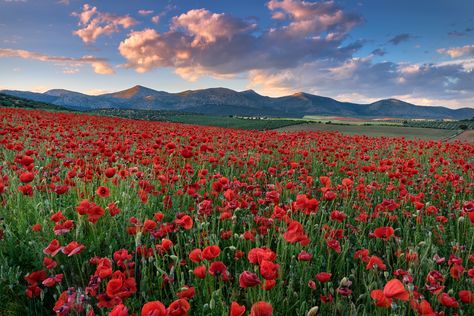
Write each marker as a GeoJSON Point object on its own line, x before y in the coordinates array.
{"type": "Point", "coordinates": [72, 248]}
{"type": "Point", "coordinates": [200, 272]}
{"type": "Point", "coordinates": [261, 309]}
{"type": "Point", "coordinates": [269, 270]}
{"type": "Point", "coordinates": [395, 289]}
{"type": "Point", "coordinates": [380, 299]}
{"type": "Point", "coordinates": [119, 310]}
{"type": "Point", "coordinates": [374, 262]}
{"type": "Point", "coordinates": [186, 222]}
{"type": "Point", "coordinates": [53, 248]}
{"type": "Point", "coordinates": [304, 256]}
{"type": "Point", "coordinates": [186, 292]}
{"type": "Point", "coordinates": [248, 279]}
{"type": "Point", "coordinates": [295, 233]}
{"type": "Point", "coordinates": [155, 308]}
{"type": "Point", "coordinates": [334, 244]}
{"type": "Point", "coordinates": [103, 192]}
{"type": "Point", "coordinates": [256, 255]}
{"type": "Point", "coordinates": [149, 225]}
{"type": "Point", "coordinates": [52, 281]}
{"type": "Point", "coordinates": [26, 177]}
{"type": "Point", "coordinates": [236, 309]}
{"type": "Point", "coordinates": [448, 301]}
{"type": "Point", "coordinates": [195, 255]}
{"type": "Point", "coordinates": [113, 209]}
{"type": "Point", "coordinates": [384, 232]}
{"type": "Point", "coordinates": [268, 284]}
{"type": "Point", "coordinates": [217, 268]}
{"type": "Point", "coordinates": [49, 263]}
{"type": "Point", "coordinates": [121, 286]}
{"type": "Point", "coordinates": [425, 309]}
{"type": "Point", "coordinates": [110, 172]}
{"type": "Point", "coordinates": [323, 277]}
{"type": "Point", "coordinates": [466, 296]}
{"type": "Point", "coordinates": [211, 252]}
{"type": "Point", "coordinates": [178, 308]}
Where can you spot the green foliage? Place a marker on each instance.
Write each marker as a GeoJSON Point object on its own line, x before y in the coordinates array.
{"type": "Point", "coordinates": [198, 119]}
{"type": "Point", "coordinates": [15, 102]}
{"type": "Point", "coordinates": [452, 125]}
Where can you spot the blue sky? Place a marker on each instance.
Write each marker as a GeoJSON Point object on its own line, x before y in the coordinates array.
{"type": "Point", "coordinates": [361, 51]}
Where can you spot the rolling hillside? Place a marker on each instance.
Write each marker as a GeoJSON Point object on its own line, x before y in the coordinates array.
{"type": "Point", "coordinates": [222, 101]}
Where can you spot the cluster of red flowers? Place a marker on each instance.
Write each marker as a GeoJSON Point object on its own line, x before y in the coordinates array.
{"type": "Point", "coordinates": [107, 215]}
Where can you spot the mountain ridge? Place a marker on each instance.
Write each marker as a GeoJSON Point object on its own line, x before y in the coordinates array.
{"type": "Point", "coordinates": [224, 101]}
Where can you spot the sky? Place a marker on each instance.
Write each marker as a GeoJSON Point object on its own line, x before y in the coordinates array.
{"type": "Point", "coordinates": [360, 51]}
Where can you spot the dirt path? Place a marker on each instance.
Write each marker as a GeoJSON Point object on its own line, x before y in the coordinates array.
{"type": "Point", "coordinates": [466, 136]}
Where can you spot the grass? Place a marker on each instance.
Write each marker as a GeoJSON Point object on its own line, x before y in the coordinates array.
{"type": "Point", "coordinates": [375, 131]}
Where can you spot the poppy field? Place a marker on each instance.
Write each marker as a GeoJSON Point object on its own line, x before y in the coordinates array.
{"type": "Point", "coordinates": [109, 216]}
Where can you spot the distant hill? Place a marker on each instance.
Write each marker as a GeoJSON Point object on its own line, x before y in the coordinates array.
{"type": "Point", "coordinates": [12, 101]}
{"type": "Point", "coordinates": [222, 101]}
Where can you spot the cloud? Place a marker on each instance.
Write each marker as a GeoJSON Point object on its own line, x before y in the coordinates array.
{"type": "Point", "coordinates": [455, 52]}
{"type": "Point", "coordinates": [145, 12]}
{"type": "Point", "coordinates": [460, 33]}
{"type": "Point", "coordinates": [64, 2]}
{"type": "Point", "coordinates": [206, 27]}
{"type": "Point", "coordinates": [362, 76]}
{"type": "Point", "coordinates": [200, 42]}
{"type": "Point", "coordinates": [99, 65]}
{"type": "Point", "coordinates": [313, 17]}
{"type": "Point", "coordinates": [70, 71]}
{"type": "Point", "coordinates": [456, 34]}
{"type": "Point", "coordinates": [93, 23]}
{"type": "Point", "coordinates": [155, 19]}
{"type": "Point", "coordinates": [379, 52]}
{"type": "Point", "coordinates": [400, 38]}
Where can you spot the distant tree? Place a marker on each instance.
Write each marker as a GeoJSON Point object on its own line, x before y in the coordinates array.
{"type": "Point", "coordinates": [463, 127]}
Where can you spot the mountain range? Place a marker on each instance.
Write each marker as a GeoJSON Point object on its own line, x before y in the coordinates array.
{"type": "Point", "coordinates": [222, 101]}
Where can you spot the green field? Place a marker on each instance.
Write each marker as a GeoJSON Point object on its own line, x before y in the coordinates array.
{"type": "Point", "coordinates": [376, 131]}
{"type": "Point", "coordinates": [199, 119]}
{"type": "Point", "coordinates": [348, 120]}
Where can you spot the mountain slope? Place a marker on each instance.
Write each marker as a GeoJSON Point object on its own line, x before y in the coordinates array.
{"type": "Point", "coordinates": [12, 101]}
{"type": "Point", "coordinates": [223, 101]}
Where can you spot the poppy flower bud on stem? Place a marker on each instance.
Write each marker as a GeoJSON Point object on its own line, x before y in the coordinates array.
{"type": "Point", "coordinates": [313, 311]}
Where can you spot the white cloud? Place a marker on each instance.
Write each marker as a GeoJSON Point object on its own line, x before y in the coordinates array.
{"type": "Point", "coordinates": [455, 52]}
{"type": "Point", "coordinates": [99, 65]}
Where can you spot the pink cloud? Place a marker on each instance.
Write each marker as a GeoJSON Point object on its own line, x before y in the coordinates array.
{"type": "Point", "coordinates": [94, 23]}
{"type": "Point", "coordinates": [313, 17]}
{"type": "Point", "coordinates": [207, 27]}
{"type": "Point", "coordinates": [155, 19]}
{"type": "Point", "coordinates": [200, 42]}
{"type": "Point", "coordinates": [455, 52]}
{"type": "Point", "coordinates": [145, 12]}
{"type": "Point", "coordinates": [99, 65]}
